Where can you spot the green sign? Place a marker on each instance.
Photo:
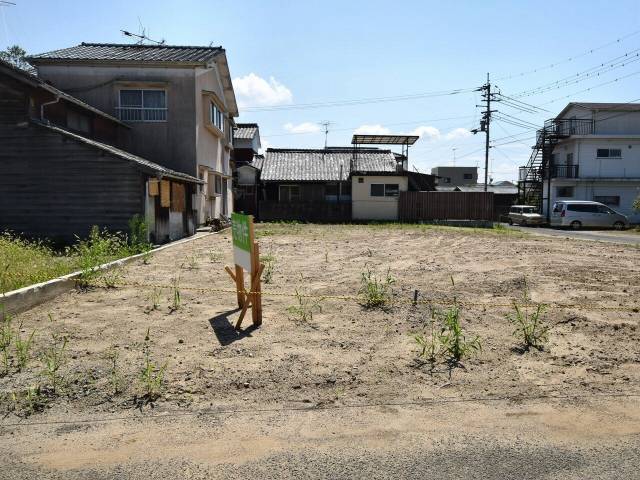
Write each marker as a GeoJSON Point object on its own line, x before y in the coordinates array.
{"type": "Point", "coordinates": [241, 235]}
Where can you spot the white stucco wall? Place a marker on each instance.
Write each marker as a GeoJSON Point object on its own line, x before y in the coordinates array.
{"type": "Point", "coordinates": [366, 207]}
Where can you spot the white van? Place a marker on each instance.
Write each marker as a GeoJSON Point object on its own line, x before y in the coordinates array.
{"type": "Point", "coordinates": [577, 214]}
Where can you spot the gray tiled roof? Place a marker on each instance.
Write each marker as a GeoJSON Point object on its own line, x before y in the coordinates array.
{"type": "Point", "coordinates": [322, 165]}
{"type": "Point", "coordinates": [141, 162]}
{"type": "Point", "coordinates": [245, 130]}
{"type": "Point", "coordinates": [110, 52]}
{"type": "Point", "coordinates": [27, 77]}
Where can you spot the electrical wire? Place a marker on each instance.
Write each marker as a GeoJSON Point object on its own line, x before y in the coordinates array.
{"type": "Point", "coordinates": [361, 101]}
{"type": "Point", "coordinates": [569, 59]}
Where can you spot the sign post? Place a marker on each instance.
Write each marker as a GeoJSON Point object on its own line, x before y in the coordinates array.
{"type": "Point", "coordinates": [246, 256]}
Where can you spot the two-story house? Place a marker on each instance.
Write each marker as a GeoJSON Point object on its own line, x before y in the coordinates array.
{"type": "Point", "coordinates": [589, 151]}
{"type": "Point", "coordinates": [178, 101]}
{"type": "Point", "coordinates": [62, 171]}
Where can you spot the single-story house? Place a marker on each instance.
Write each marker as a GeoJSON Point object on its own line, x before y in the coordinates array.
{"type": "Point", "coordinates": [62, 170]}
{"type": "Point", "coordinates": [330, 185]}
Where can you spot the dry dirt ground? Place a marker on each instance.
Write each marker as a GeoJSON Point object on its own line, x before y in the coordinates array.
{"type": "Point", "coordinates": [341, 395]}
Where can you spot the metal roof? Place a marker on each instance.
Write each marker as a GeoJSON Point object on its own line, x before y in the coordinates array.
{"type": "Point", "coordinates": [333, 164]}
{"type": "Point", "coordinates": [30, 79]}
{"type": "Point", "coordinates": [141, 162]}
{"type": "Point", "coordinates": [109, 52]}
{"type": "Point", "coordinates": [245, 131]}
{"type": "Point", "coordinates": [617, 107]}
{"type": "Point", "coordinates": [384, 139]}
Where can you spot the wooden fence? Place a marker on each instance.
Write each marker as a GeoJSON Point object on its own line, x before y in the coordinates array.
{"type": "Point", "coordinates": [417, 206]}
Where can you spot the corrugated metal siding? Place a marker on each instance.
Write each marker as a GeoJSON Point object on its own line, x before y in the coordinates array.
{"type": "Point", "coordinates": [417, 206]}
{"type": "Point", "coordinates": [56, 188]}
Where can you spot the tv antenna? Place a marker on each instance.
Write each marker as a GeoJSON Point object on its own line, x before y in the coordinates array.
{"type": "Point", "coordinates": [142, 36]}
{"type": "Point", "coordinates": [326, 124]}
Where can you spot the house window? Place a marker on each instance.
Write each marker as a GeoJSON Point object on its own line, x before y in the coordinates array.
{"type": "Point", "coordinates": [377, 189]}
{"type": "Point", "coordinates": [143, 106]}
{"type": "Point", "coordinates": [613, 200]}
{"type": "Point", "coordinates": [289, 193]}
{"type": "Point", "coordinates": [218, 184]}
{"type": "Point", "coordinates": [385, 189]}
{"type": "Point", "coordinates": [217, 117]}
{"type": "Point", "coordinates": [391, 190]}
{"type": "Point", "coordinates": [609, 153]}
{"type": "Point", "coordinates": [569, 158]}
{"type": "Point", "coordinates": [566, 192]}
{"type": "Point", "coordinates": [468, 176]}
{"type": "Point", "coordinates": [360, 180]}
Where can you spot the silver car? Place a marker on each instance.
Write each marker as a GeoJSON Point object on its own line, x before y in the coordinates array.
{"type": "Point", "coordinates": [525, 215]}
{"type": "Point", "coordinates": [578, 214]}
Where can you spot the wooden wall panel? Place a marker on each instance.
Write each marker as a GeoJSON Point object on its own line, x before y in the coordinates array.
{"type": "Point", "coordinates": [418, 206]}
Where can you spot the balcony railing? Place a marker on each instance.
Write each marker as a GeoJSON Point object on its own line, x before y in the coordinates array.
{"type": "Point", "coordinates": [564, 171]}
{"type": "Point", "coordinates": [142, 114]}
{"type": "Point", "coordinates": [568, 127]}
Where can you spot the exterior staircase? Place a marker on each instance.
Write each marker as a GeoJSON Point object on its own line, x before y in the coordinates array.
{"type": "Point", "coordinates": [541, 166]}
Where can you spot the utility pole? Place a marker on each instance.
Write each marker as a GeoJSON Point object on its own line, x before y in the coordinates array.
{"type": "Point", "coordinates": [485, 123]}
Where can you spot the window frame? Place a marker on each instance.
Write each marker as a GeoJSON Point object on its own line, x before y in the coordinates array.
{"type": "Point", "coordinates": [290, 198]}
{"type": "Point", "coordinates": [558, 190]}
{"type": "Point", "coordinates": [609, 155]}
{"type": "Point", "coordinates": [602, 199]}
{"type": "Point", "coordinates": [142, 109]}
{"type": "Point", "coordinates": [216, 116]}
{"type": "Point", "coordinates": [395, 187]}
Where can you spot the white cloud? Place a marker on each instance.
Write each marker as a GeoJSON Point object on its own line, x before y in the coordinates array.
{"type": "Point", "coordinates": [264, 144]}
{"type": "Point", "coordinates": [372, 130]}
{"type": "Point", "coordinates": [458, 133]}
{"type": "Point", "coordinates": [427, 133]}
{"type": "Point", "coordinates": [304, 127]}
{"type": "Point", "coordinates": [255, 91]}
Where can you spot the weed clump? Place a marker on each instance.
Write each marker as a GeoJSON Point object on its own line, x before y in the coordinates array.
{"type": "Point", "coordinates": [53, 359]}
{"type": "Point", "coordinates": [375, 292]}
{"type": "Point", "coordinates": [304, 308]}
{"type": "Point", "coordinates": [529, 328]}
{"type": "Point", "coordinates": [151, 374]}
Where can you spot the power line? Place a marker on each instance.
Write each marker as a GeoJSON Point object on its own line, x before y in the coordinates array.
{"type": "Point", "coordinates": [588, 74]}
{"type": "Point", "coordinates": [570, 59]}
{"type": "Point", "coordinates": [591, 88]}
{"type": "Point", "coordinates": [361, 101]}
{"type": "Point", "coordinates": [415, 122]}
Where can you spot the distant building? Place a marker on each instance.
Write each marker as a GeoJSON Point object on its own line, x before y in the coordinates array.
{"type": "Point", "coordinates": [589, 151]}
{"type": "Point", "coordinates": [336, 184]}
{"type": "Point", "coordinates": [454, 176]}
{"type": "Point", "coordinates": [246, 145]}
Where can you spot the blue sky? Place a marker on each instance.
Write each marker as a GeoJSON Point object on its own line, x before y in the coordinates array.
{"type": "Point", "coordinates": [284, 54]}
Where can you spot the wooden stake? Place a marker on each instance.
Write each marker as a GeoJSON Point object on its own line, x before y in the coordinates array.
{"type": "Point", "coordinates": [240, 285]}
{"type": "Point", "coordinates": [256, 309]}
{"type": "Point", "coordinates": [248, 297]}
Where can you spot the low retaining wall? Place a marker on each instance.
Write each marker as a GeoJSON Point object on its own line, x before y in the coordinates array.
{"type": "Point", "coordinates": [28, 297]}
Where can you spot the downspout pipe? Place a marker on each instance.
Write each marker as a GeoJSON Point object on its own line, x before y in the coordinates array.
{"type": "Point", "coordinates": [42, 105]}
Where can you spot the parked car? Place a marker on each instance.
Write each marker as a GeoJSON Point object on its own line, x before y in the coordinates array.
{"type": "Point", "coordinates": [525, 215]}
{"type": "Point", "coordinates": [577, 214]}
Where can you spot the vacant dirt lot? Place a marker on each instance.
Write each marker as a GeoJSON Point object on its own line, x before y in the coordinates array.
{"type": "Point", "coordinates": [345, 355]}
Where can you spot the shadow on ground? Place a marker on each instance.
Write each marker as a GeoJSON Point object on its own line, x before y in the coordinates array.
{"type": "Point", "coordinates": [225, 331]}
